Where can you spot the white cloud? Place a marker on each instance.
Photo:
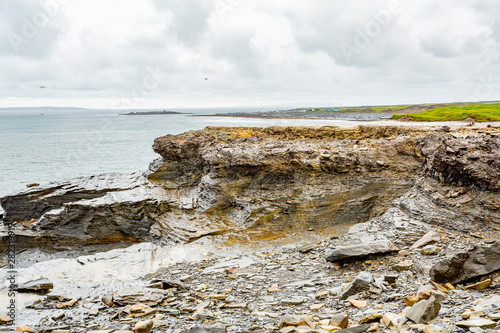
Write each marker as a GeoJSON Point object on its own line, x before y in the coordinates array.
{"type": "Point", "coordinates": [93, 53]}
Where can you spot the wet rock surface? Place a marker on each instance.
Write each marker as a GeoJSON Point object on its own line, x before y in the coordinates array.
{"type": "Point", "coordinates": [234, 196]}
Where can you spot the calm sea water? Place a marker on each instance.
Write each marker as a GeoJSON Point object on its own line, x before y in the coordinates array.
{"type": "Point", "coordinates": [64, 144]}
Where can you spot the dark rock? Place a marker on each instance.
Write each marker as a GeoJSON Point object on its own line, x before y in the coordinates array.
{"type": "Point", "coordinates": [166, 284]}
{"type": "Point", "coordinates": [356, 329]}
{"type": "Point", "coordinates": [86, 210]}
{"type": "Point", "coordinates": [477, 163]}
{"type": "Point", "coordinates": [479, 261]}
{"type": "Point", "coordinates": [361, 283]}
{"type": "Point", "coordinates": [38, 285]}
{"type": "Point", "coordinates": [206, 330]}
{"type": "Point", "coordinates": [360, 251]}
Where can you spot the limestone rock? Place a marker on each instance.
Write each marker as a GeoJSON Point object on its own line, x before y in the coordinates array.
{"type": "Point", "coordinates": [429, 237]}
{"type": "Point", "coordinates": [403, 265]}
{"type": "Point", "coordinates": [391, 319]}
{"type": "Point", "coordinates": [424, 311]}
{"type": "Point", "coordinates": [360, 251]}
{"type": "Point", "coordinates": [477, 322]}
{"type": "Point", "coordinates": [150, 297]}
{"type": "Point", "coordinates": [42, 284]}
{"type": "Point", "coordinates": [361, 283]}
{"type": "Point", "coordinates": [479, 261]}
{"type": "Point", "coordinates": [372, 317]}
{"type": "Point", "coordinates": [340, 320]}
{"type": "Point", "coordinates": [430, 250]}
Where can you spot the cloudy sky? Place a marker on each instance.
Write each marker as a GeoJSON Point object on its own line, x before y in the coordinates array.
{"type": "Point", "coordinates": [195, 53]}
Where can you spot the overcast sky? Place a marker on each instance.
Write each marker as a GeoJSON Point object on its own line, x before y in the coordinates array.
{"type": "Point", "coordinates": [195, 53]}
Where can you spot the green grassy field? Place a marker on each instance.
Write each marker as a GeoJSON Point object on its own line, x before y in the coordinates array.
{"type": "Point", "coordinates": [474, 111]}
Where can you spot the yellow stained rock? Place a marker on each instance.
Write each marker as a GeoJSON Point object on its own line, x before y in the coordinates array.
{"type": "Point", "coordinates": [480, 285]}
{"type": "Point", "coordinates": [358, 303]}
{"type": "Point", "coordinates": [374, 328]}
{"type": "Point", "coordinates": [68, 304]}
{"type": "Point", "coordinates": [25, 328]}
{"type": "Point", "coordinates": [144, 326]}
{"type": "Point", "coordinates": [330, 328]}
{"type": "Point", "coordinates": [438, 286]}
{"type": "Point", "coordinates": [449, 286]}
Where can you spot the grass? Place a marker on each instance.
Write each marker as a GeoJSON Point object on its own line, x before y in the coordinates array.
{"type": "Point", "coordinates": [477, 111]}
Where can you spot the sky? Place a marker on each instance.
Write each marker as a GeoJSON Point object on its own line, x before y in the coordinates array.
{"type": "Point", "coordinates": [132, 54]}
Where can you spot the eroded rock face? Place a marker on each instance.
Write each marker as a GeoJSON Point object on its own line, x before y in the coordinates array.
{"type": "Point", "coordinates": [474, 160]}
{"type": "Point", "coordinates": [272, 181]}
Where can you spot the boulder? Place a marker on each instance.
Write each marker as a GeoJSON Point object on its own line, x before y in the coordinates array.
{"type": "Point", "coordinates": [479, 261]}
{"type": "Point", "coordinates": [361, 283]}
{"type": "Point", "coordinates": [424, 311]}
{"type": "Point", "coordinates": [360, 251]}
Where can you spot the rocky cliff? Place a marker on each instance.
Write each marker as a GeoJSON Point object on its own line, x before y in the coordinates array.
{"type": "Point", "coordinates": [261, 183]}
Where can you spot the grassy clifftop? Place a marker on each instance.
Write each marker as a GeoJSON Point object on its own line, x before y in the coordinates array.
{"type": "Point", "coordinates": [473, 111]}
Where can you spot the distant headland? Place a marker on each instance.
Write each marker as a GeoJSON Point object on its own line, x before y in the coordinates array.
{"type": "Point", "coordinates": [149, 113]}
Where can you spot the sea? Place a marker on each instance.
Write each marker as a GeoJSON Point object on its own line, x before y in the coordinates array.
{"type": "Point", "coordinates": [40, 145]}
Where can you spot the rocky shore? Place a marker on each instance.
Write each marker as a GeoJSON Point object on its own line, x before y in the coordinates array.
{"type": "Point", "coordinates": [290, 229]}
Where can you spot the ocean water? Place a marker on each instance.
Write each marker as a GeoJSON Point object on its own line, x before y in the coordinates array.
{"type": "Point", "coordinates": [67, 143]}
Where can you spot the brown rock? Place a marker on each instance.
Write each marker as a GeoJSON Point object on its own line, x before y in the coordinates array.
{"type": "Point", "coordinates": [144, 326]}
{"type": "Point", "coordinates": [358, 303]}
{"type": "Point", "coordinates": [25, 328]}
{"type": "Point", "coordinates": [67, 304]}
{"type": "Point", "coordinates": [372, 317]}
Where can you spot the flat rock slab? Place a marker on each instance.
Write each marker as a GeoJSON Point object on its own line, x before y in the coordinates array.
{"type": "Point", "coordinates": [35, 286]}
{"type": "Point", "coordinates": [206, 330]}
{"type": "Point", "coordinates": [150, 297]}
{"type": "Point", "coordinates": [355, 329]}
{"type": "Point", "coordinates": [479, 261]}
{"type": "Point", "coordinates": [360, 251]}
{"type": "Point", "coordinates": [477, 322]}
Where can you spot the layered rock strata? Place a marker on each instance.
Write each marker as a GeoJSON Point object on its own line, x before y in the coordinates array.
{"type": "Point", "coordinates": [249, 183]}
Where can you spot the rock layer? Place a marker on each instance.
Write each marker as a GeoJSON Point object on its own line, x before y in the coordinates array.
{"type": "Point", "coordinates": [256, 183]}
